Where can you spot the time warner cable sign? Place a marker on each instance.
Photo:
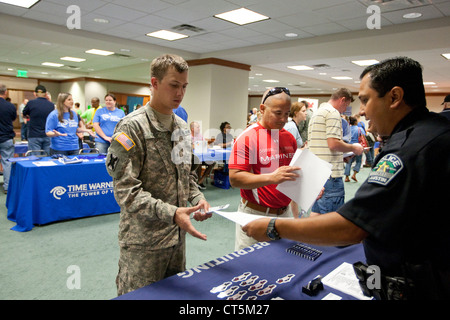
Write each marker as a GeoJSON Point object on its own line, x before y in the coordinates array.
{"type": "Point", "coordinates": [82, 190]}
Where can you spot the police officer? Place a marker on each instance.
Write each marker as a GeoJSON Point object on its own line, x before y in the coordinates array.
{"type": "Point", "coordinates": [150, 162]}
{"type": "Point", "coordinates": [398, 212]}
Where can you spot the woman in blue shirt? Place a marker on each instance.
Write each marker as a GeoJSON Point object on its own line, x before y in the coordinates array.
{"type": "Point", "coordinates": [105, 120]}
{"type": "Point", "coordinates": [62, 126]}
{"type": "Point", "coordinates": [355, 131]}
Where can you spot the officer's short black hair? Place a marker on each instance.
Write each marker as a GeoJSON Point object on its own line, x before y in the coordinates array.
{"type": "Point", "coordinates": [403, 72]}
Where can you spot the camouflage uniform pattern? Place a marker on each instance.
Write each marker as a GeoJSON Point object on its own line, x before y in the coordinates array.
{"type": "Point", "coordinates": [151, 170]}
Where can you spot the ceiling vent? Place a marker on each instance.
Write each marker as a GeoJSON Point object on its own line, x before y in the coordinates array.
{"type": "Point", "coordinates": [188, 27]}
{"type": "Point", "coordinates": [321, 66]}
{"type": "Point", "coordinates": [121, 55]}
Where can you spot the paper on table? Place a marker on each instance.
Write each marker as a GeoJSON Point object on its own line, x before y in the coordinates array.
{"type": "Point", "coordinates": [241, 218]}
{"type": "Point", "coordinates": [48, 163]}
{"type": "Point", "coordinates": [313, 175]}
{"type": "Point", "coordinates": [343, 278]}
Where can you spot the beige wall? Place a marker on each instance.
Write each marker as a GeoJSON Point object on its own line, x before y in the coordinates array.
{"type": "Point", "coordinates": [216, 94]}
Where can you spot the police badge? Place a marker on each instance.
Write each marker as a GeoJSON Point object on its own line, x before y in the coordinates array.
{"type": "Point", "coordinates": [386, 169]}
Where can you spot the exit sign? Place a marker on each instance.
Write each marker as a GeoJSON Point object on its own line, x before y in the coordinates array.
{"type": "Point", "coordinates": [22, 73]}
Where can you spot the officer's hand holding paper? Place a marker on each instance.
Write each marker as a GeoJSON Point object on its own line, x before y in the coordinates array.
{"type": "Point", "coordinates": [305, 189]}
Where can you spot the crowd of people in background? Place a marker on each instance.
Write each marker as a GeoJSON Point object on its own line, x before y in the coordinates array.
{"type": "Point", "coordinates": [58, 129]}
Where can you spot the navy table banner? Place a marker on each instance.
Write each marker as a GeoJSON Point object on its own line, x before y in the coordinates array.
{"type": "Point", "coordinates": [46, 190]}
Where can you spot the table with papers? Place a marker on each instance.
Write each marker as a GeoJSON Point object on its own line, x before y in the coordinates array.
{"type": "Point", "coordinates": [45, 190]}
{"type": "Point", "coordinates": [262, 271]}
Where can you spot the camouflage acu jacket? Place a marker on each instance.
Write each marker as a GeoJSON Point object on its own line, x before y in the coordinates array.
{"type": "Point", "coordinates": [151, 170]}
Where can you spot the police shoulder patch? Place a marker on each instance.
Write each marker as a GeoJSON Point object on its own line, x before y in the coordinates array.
{"type": "Point", "coordinates": [386, 169]}
{"type": "Point", "coordinates": [125, 141]}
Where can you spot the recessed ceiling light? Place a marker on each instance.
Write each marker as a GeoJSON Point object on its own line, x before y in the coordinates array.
{"type": "Point", "coordinates": [100, 52]}
{"type": "Point", "coordinates": [300, 68]}
{"type": "Point", "coordinates": [10, 69]}
{"type": "Point", "coordinates": [412, 15]}
{"type": "Point", "coordinates": [100, 20]}
{"type": "Point", "coordinates": [323, 73]}
{"type": "Point", "coordinates": [291, 35]}
{"type": "Point", "coordinates": [364, 63]}
{"type": "Point", "coordinates": [51, 64]}
{"type": "Point", "coordinates": [342, 78]}
{"type": "Point", "coordinates": [272, 81]}
{"type": "Point", "coordinates": [446, 55]}
{"type": "Point", "coordinates": [166, 35]}
{"type": "Point", "coordinates": [73, 59]}
{"type": "Point", "coordinates": [21, 3]}
{"type": "Point", "coordinates": [241, 16]}
{"type": "Point", "coordinates": [428, 83]}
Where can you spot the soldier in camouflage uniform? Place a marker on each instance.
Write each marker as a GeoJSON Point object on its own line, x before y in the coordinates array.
{"type": "Point", "coordinates": [150, 162]}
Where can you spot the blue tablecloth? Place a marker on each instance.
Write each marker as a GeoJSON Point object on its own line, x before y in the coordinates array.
{"type": "Point", "coordinates": [267, 262]}
{"type": "Point", "coordinates": [214, 155]}
{"type": "Point", "coordinates": [44, 194]}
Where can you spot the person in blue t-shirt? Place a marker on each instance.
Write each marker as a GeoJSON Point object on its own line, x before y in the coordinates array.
{"type": "Point", "coordinates": [62, 126]}
{"type": "Point", "coordinates": [105, 120]}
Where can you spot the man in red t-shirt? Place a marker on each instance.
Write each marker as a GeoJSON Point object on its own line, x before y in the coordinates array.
{"type": "Point", "coordinates": [260, 160]}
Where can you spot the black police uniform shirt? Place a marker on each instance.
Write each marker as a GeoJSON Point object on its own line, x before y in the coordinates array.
{"type": "Point", "coordinates": [404, 202]}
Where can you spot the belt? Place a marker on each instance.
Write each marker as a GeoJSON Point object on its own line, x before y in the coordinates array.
{"type": "Point", "coordinates": [257, 207]}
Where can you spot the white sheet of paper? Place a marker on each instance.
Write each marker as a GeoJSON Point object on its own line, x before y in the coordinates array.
{"type": "Point", "coordinates": [343, 278]}
{"type": "Point", "coordinates": [222, 207]}
{"type": "Point", "coordinates": [313, 175]}
{"type": "Point", "coordinates": [241, 218]}
{"type": "Point", "coordinates": [44, 163]}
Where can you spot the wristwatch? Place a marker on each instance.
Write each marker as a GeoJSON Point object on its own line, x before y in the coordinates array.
{"type": "Point", "coordinates": [271, 231]}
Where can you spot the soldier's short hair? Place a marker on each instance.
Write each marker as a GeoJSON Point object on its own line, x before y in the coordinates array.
{"type": "Point", "coordinates": [161, 64]}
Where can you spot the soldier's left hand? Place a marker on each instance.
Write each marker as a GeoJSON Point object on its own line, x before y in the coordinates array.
{"type": "Point", "coordinates": [201, 214]}
{"type": "Point", "coordinates": [183, 220]}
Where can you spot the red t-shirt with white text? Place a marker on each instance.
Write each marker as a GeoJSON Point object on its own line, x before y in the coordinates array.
{"type": "Point", "coordinates": [260, 151]}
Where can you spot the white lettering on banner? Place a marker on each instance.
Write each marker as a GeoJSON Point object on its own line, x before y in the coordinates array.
{"type": "Point", "coordinates": [224, 259]}
{"type": "Point", "coordinates": [83, 190]}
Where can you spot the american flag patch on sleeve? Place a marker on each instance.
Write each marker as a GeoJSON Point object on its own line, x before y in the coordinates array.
{"type": "Point", "coordinates": [125, 141]}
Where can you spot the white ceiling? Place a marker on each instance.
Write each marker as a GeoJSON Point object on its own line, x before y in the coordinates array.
{"type": "Point", "coordinates": [331, 33]}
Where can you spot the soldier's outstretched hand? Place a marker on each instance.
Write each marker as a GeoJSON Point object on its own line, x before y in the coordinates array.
{"type": "Point", "coordinates": [183, 220]}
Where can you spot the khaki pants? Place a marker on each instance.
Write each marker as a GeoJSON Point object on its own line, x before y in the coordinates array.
{"type": "Point", "coordinates": [242, 240]}
{"type": "Point", "coordinates": [139, 267]}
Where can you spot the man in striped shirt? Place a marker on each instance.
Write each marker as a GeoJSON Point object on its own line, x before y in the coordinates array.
{"type": "Point", "coordinates": [325, 141]}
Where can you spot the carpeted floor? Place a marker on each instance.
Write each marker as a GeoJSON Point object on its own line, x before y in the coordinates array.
{"type": "Point", "coordinates": [38, 264]}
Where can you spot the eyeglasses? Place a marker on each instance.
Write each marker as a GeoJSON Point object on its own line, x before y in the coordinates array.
{"type": "Point", "coordinates": [275, 91]}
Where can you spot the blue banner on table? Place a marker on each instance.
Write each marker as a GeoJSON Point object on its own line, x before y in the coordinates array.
{"type": "Point", "coordinates": [45, 194]}
{"type": "Point", "coordinates": [264, 271]}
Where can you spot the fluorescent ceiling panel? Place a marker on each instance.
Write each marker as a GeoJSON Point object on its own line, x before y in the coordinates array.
{"type": "Point", "coordinates": [51, 64]}
{"type": "Point", "coordinates": [73, 59]}
{"type": "Point", "coordinates": [21, 3]}
{"type": "Point", "coordinates": [100, 52]}
{"type": "Point", "coordinates": [342, 78]}
{"type": "Point", "coordinates": [300, 68]}
{"type": "Point", "coordinates": [364, 63]}
{"type": "Point", "coordinates": [241, 16]}
{"type": "Point", "coordinates": [166, 35]}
